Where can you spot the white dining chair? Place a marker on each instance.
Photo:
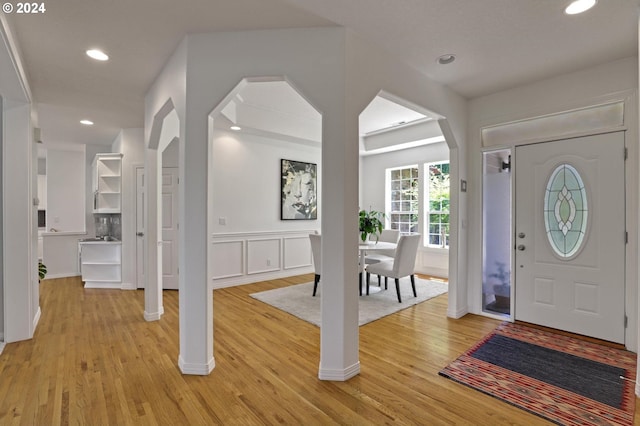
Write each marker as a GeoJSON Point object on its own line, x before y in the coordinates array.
{"type": "Point", "coordinates": [402, 265]}
{"type": "Point", "coordinates": [316, 250]}
{"type": "Point", "coordinates": [387, 236]}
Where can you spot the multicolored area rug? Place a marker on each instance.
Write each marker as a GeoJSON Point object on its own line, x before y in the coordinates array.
{"type": "Point", "coordinates": [565, 380]}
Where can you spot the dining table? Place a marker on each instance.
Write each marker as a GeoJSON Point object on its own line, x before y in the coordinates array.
{"type": "Point", "coordinates": [366, 247]}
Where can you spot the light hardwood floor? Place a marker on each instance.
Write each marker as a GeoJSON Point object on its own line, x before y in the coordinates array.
{"type": "Point", "coordinates": [95, 361]}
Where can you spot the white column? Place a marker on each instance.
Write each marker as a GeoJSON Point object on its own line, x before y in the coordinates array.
{"type": "Point", "coordinates": [339, 332]}
{"type": "Point", "coordinates": [196, 293]}
{"type": "Point", "coordinates": [153, 308]}
{"type": "Point", "coordinates": [19, 267]}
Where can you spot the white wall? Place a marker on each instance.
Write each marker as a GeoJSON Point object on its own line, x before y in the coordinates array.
{"type": "Point", "coordinates": [254, 244]}
{"type": "Point", "coordinates": [171, 154]}
{"type": "Point", "coordinates": [246, 182]}
{"type": "Point", "coordinates": [66, 189]}
{"type": "Point", "coordinates": [130, 143]}
{"type": "Point", "coordinates": [430, 261]}
{"type": "Point", "coordinates": [2, 142]}
{"type": "Point", "coordinates": [616, 80]}
{"type": "Point", "coordinates": [60, 254]}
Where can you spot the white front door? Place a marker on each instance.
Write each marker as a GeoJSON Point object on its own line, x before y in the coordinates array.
{"type": "Point", "coordinates": [170, 228]}
{"type": "Point", "coordinates": [570, 235]}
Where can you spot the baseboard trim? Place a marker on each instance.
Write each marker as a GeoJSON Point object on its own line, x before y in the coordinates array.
{"type": "Point", "coordinates": [2, 345]}
{"type": "Point", "coordinates": [196, 369]}
{"type": "Point", "coordinates": [99, 284]}
{"type": "Point", "coordinates": [66, 275]}
{"type": "Point", "coordinates": [36, 318]}
{"type": "Point", "coordinates": [155, 316]}
{"type": "Point", "coordinates": [128, 286]}
{"type": "Point", "coordinates": [253, 278]}
{"type": "Point", "coordinates": [457, 314]}
{"type": "Point", "coordinates": [339, 375]}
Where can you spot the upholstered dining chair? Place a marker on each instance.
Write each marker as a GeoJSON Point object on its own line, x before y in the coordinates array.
{"type": "Point", "coordinates": [316, 250]}
{"type": "Point", "coordinates": [387, 236]}
{"type": "Point", "coordinates": [402, 265]}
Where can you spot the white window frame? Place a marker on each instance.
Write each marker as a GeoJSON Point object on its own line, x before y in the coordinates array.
{"type": "Point", "coordinates": [388, 200]}
{"type": "Point", "coordinates": [427, 205]}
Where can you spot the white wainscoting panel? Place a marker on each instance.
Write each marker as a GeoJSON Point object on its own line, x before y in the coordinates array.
{"type": "Point", "coordinates": [248, 257]}
{"type": "Point", "coordinates": [297, 252]}
{"type": "Point", "coordinates": [433, 262]}
{"type": "Point", "coordinates": [263, 255]}
{"type": "Point", "coordinates": [227, 259]}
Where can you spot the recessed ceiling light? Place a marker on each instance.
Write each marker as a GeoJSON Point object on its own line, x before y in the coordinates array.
{"type": "Point", "coordinates": [97, 54]}
{"type": "Point", "coordinates": [86, 122]}
{"type": "Point", "coordinates": [579, 6]}
{"type": "Point", "coordinates": [446, 59]}
{"type": "Point", "coordinates": [236, 128]}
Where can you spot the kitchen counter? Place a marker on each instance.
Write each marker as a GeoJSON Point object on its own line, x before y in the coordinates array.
{"type": "Point", "coordinates": [99, 241]}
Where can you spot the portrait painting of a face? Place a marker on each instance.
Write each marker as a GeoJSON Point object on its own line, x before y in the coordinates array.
{"type": "Point", "coordinates": [299, 199]}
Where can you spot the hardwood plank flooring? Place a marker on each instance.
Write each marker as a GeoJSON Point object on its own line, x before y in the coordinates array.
{"type": "Point", "coordinates": [94, 360]}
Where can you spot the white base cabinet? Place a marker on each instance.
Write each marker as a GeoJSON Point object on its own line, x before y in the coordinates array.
{"type": "Point", "coordinates": [101, 263]}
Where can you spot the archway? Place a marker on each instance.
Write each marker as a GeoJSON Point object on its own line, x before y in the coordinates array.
{"type": "Point", "coordinates": [396, 133]}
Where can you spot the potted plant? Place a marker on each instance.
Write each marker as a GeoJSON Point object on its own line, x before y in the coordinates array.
{"type": "Point", "coordinates": [42, 270]}
{"type": "Point", "coordinates": [502, 291]}
{"type": "Point", "coordinates": [371, 223]}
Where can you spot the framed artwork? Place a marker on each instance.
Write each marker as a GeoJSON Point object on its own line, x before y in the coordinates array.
{"type": "Point", "coordinates": [299, 199]}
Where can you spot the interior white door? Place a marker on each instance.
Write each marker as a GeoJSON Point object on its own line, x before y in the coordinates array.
{"type": "Point", "coordinates": [140, 228]}
{"type": "Point", "coordinates": [170, 228]}
{"type": "Point", "coordinates": [570, 235]}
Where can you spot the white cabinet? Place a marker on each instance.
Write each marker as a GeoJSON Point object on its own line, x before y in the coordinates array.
{"type": "Point", "coordinates": [100, 263]}
{"type": "Point", "coordinates": [107, 183]}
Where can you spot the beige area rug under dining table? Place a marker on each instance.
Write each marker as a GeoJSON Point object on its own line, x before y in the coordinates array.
{"type": "Point", "coordinates": [298, 300]}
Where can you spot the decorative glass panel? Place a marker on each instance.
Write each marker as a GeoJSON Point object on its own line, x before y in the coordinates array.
{"type": "Point", "coordinates": [565, 211]}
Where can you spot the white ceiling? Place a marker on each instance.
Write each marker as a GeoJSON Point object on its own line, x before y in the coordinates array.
{"type": "Point", "coordinates": [499, 44]}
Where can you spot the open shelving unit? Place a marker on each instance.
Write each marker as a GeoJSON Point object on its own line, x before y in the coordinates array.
{"type": "Point", "coordinates": [107, 183]}
{"type": "Point", "coordinates": [100, 264]}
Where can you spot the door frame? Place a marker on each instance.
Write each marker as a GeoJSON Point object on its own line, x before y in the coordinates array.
{"type": "Point", "coordinates": [605, 115]}
{"type": "Point", "coordinates": [140, 257]}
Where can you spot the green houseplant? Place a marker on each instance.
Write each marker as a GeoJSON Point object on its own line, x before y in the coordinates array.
{"type": "Point", "coordinates": [371, 223]}
{"type": "Point", "coordinates": [42, 270]}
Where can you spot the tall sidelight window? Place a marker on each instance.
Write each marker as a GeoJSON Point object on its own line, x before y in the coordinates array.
{"type": "Point", "coordinates": [403, 199]}
{"type": "Point", "coordinates": [437, 204]}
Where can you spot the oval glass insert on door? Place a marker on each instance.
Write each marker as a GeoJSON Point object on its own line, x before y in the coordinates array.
{"type": "Point", "coordinates": [565, 211]}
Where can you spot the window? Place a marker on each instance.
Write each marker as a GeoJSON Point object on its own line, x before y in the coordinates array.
{"type": "Point", "coordinates": [565, 211]}
{"type": "Point", "coordinates": [402, 190]}
{"type": "Point", "coordinates": [437, 216]}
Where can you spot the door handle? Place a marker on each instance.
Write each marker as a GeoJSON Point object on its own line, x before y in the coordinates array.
{"type": "Point", "coordinates": [521, 247]}
{"type": "Point", "coordinates": [140, 234]}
